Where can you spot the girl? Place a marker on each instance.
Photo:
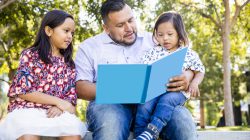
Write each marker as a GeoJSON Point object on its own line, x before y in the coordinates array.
{"type": "Point", "coordinates": [42, 94]}
{"type": "Point", "coordinates": [153, 116]}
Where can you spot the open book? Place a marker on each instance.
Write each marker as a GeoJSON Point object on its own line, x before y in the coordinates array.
{"type": "Point", "coordinates": [137, 83]}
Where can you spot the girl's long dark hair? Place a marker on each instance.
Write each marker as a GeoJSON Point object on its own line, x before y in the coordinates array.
{"type": "Point", "coordinates": [42, 44]}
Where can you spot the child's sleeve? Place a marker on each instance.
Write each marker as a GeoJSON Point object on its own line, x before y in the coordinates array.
{"type": "Point", "coordinates": [149, 57]}
{"type": "Point", "coordinates": [193, 62]}
{"type": "Point", "coordinates": [71, 94]}
{"type": "Point", "coordinates": [24, 78]}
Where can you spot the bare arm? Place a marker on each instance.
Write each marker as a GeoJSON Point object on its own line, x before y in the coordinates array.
{"type": "Point", "coordinates": [180, 82]}
{"type": "Point", "coordinates": [86, 90]}
{"type": "Point", "coordinates": [193, 88]}
{"type": "Point", "coordinates": [198, 77]}
{"type": "Point", "coordinates": [42, 98]}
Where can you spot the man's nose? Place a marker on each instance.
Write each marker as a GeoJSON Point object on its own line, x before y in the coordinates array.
{"type": "Point", "coordinates": [128, 27]}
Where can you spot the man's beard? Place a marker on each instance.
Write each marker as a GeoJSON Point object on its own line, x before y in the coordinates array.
{"type": "Point", "coordinates": [125, 44]}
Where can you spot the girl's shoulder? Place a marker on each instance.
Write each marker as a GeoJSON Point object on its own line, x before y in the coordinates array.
{"type": "Point", "coordinates": [29, 53]}
{"type": "Point", "coordinates": [191, 52]}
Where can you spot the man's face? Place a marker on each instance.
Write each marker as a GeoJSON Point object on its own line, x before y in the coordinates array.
{"type": "Point", "coordinates": [121, 26]}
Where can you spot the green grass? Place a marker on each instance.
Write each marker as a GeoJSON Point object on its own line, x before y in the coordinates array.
{"type": "Point", "coordinates": [231, 128]}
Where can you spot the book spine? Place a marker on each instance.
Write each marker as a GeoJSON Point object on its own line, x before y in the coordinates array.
{"type": "Point", "coordinates": [145, 89]}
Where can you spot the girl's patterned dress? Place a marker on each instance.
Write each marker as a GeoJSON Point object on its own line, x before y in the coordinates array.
{"type": "Point", "coordinates": [55, 79]}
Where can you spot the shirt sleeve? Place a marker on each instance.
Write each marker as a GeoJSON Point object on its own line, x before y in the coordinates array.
{"type": "Point", "coordinates": [71, 94]}
{"type": "Point", "coordinates": [24, 80]}
{"type": "Point", "coordinates": [84, 64]}
{"type": "Point", "coordinates": [193, 62]}
{"type": "Point", "coordinates": [149, 57]}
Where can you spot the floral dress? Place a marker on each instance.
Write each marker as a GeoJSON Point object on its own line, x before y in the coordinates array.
{"type": "Point", "coordinates": [56, 79]}
{"type": "Point", "coordinates": [25, 117]}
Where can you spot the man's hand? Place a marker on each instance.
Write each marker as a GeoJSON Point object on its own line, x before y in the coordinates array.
{"type": "Point", "coordinates": [178, 83]}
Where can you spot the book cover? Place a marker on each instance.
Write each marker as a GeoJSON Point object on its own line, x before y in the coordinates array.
{"type": "Point", "coordinates": [137, 83]}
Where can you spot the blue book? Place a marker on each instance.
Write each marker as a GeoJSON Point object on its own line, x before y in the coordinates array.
{"type": "Point", "coordinates": [137, 83]}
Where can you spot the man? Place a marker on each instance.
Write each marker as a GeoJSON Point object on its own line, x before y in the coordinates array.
{"type": "Point", "coordinates": [120, 43]}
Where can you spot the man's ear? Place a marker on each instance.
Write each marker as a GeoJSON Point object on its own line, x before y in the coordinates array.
{"type": "Point", "coordinates": [48, 31]}
{"type": "Point", "coordinates": [105, 28]}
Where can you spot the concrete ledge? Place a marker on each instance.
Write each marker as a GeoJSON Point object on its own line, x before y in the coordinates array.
{"type": "Point", "coordinates": [223, 135]}
{"type": "Point", "coordinates": [202, 135]}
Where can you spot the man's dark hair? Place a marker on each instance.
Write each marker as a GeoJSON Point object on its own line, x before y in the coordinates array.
{"type": "Point", "coordinates": [111, 6]}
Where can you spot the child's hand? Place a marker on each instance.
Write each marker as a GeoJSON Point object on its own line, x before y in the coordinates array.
{"type": "Point", "coordinates": [66, 106]}
{"type": "Point", "coordinates": [193, 89]}
{"type": "Point", "coordinates": [54, 112]}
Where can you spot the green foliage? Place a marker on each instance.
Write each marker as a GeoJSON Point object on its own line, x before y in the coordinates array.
{"type": "Point", "coordinates": [81, 109]}
{"type": "Point", "coordinates": [206, 41]}
{"type": "Point", "coordinates": [21, 19]}
{"type": "Point", "coordinates": [234, 128]}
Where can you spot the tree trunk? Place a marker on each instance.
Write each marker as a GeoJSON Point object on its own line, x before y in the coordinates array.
{"type": "Point", "coordinates": [202, 116]}
{"type": "Point", "coordinates": [227, 68]}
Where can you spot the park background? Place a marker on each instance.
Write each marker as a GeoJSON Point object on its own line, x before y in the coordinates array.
{"type": "Point", "coordinates": [219, 32]}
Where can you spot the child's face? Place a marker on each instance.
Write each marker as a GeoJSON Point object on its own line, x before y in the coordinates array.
{"type": "Point", "coordinates": [167, 36]}
{"type": "Point", "coordinates": [62, 35]}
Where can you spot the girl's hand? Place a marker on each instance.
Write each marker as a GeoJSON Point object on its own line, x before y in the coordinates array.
{"type": "Point", "coordinates": [193, 89]}
{"type": "Point", "coordinates": [66, 106]}
{"type": "Point", "coordinates": [54, 112]}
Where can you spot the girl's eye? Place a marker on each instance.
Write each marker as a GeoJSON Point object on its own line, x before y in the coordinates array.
{"type": "Point", "coordinates": [160, 35]}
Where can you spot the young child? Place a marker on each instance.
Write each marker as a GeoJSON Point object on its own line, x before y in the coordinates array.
{"type": "Point", "coordinates": [42, 94]}
{"type": "Point", "coordinates": [170, 34]}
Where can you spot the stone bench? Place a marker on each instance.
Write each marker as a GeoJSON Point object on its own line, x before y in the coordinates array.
{"type": "Point", "coordinates": [202, 135]}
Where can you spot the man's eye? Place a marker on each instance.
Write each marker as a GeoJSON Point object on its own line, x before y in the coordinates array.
{"type": "Point", "coordinates": [120, 25]}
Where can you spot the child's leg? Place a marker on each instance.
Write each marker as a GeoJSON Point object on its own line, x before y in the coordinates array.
{"type": "Point", "coordinates": [162, 114]}
{"type": "Point", "coordinates": [78, 137]}
{"type": "Point", "coordinates": [29, 137]}
{"type": "Point", "coordinates": [143, 115]}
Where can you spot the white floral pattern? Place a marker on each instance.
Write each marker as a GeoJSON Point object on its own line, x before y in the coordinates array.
{"type": "Point", "coordinates": [191, 62]}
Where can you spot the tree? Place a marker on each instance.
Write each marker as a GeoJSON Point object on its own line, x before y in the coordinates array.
{"type": "Point", "coordinates": [209, 24]}
{"type": "Point", "coordinates": [225, 22]}
{"type": "Point", "coordinates": [18, 28]}
{"type": "Point", "coordinates": [5, 3]}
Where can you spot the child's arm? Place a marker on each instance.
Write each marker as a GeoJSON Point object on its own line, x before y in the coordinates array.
{"type": "Point", "coordinates": [54, 111]}
{"type": "Point", "coordinates": [42, 98]}
{"type": "Point", "coordinates": [193, 88]}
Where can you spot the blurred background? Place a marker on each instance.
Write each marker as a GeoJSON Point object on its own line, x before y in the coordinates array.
{"type": "Point", "coordinates": [219, 32]}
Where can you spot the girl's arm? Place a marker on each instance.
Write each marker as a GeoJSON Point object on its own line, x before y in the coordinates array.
{"type": "Point", "coordinates": [198, 77]}
{"type": "Point", "coordinates": [42, 98]}
{"type": "Point", "coordinates": [193, 88]}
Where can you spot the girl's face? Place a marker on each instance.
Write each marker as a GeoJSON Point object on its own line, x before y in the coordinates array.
{"type": "Point", "coordinates": [62, 35]}
{"type": "Point", "coordinates": [167, 36]}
